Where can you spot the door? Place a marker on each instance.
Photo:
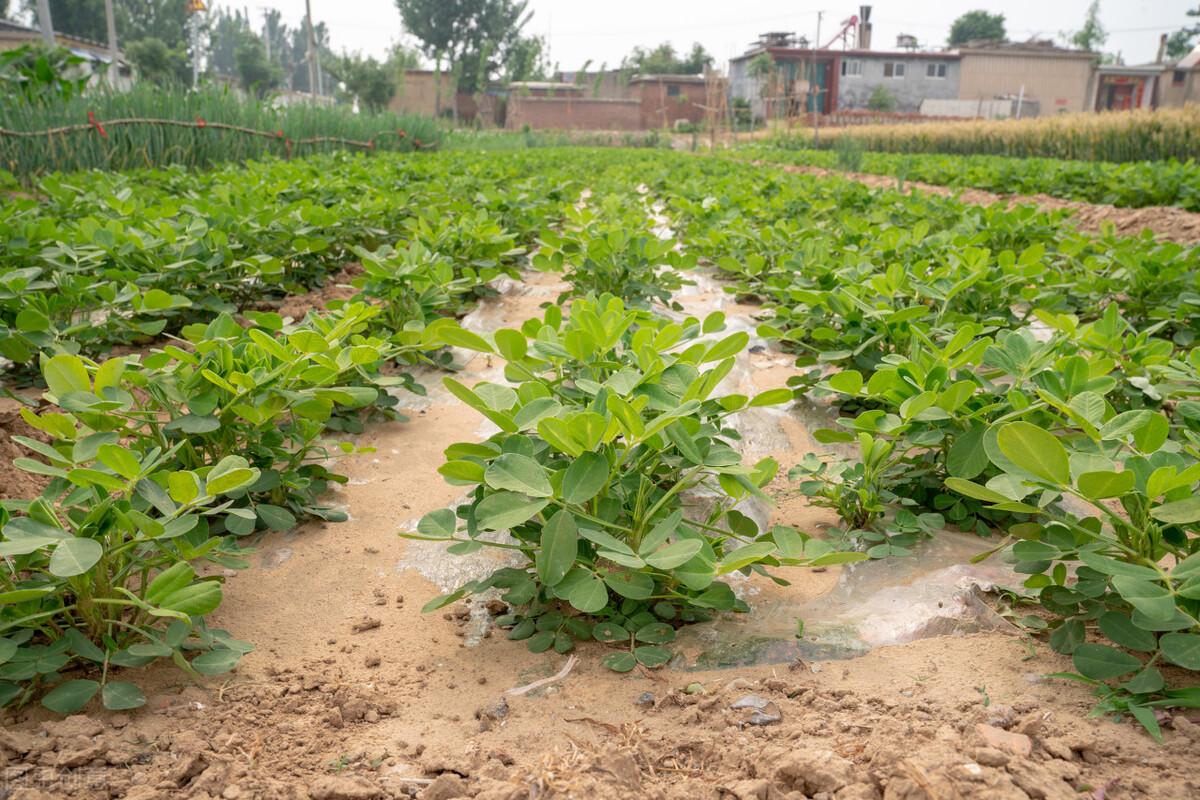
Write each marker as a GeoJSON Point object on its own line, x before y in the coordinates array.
{"type": "Point", "coordinates": [1120, 97]}
{"type": "Point", "coordinates": [820, 99]}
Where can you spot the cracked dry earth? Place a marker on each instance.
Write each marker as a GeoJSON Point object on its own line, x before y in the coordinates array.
{"type": "Point", "coordinates": [353, 694]}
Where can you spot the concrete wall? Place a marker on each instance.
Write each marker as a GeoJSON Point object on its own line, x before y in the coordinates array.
{"type": "Point", "coordinates": [571, 113]}
{"type": "Point", "coordinates": [978, 109]}
{"type": "Point", "coordinates": [854, 91]}
{"type": "Point", "coordinates": [1060, 82]}
{"type": "Point", "coordinates": [417, 93]}
{"type": "Point", "coordinates": [1172, 93]}
{"type": "Point", "coordinates": [743, 86]}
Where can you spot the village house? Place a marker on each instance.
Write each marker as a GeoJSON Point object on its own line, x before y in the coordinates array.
{"type": "Point", "coordinates": [96, 57]}
{"type": "Point", "coordinates": [1179, 83]}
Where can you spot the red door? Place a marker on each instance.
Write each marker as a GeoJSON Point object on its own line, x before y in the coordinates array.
{"type": "Point", "coordinates": [1120, 97]}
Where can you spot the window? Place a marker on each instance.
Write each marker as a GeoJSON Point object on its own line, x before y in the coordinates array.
{"type": "Point", "coordinates": [893, 69]}
{"type": "Point", "coordinates": [672, 90]}
{"type": "Point", "coordinates": [935, 70]}
{"type": "Point", "coordinates": [1177, 78]}
{"type": "Point", "coordinates": [852, 69]}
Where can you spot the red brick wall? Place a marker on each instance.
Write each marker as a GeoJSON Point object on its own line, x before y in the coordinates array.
{"type": "Point", "coordinates": [660, 108]}
{"type": "Point", "coordinates": [570, 113]}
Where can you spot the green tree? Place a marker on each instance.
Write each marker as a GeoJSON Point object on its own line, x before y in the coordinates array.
{"type": "Point", "coordinates": [84, 18]}
{"type": "Point", "coordinates": [298, 57]}
{"type": "Point", "coordinates": [136, 19]}
{"type": "Point", "coordinates": [255, 72]}
{"type": "Point", "coordinates": [371, 82]}
{"type": "Point", "coordinates": [163, 19]}
{"type": "Point", "coordinates": [976, 25]}
{"type": "Point", "coordinates": [228, 33]}
{"type": "Point", "coordinates": [475, 38]}
{"type": "Point", "coordinates": [1180, 42]}
{"type": "Point", "coordinates": [881, 100]}
{"type": "Point", "coordinates": [157, 63]}
{"type": "Point", "coordinates": [402, 58]}
{"type": "Point", "coordinates": [1092, 34]}
{"type": "Point", "coordinates": [527, 60]}
{"type": "Point", "coordinates": [663, 60]}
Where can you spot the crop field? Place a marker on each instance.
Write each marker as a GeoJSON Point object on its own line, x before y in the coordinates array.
{"type": "Point", "coordinates": [1128, 185]}
{"type": "Point", "coordinates": [593, 472]}
{"type": "Point", "coordinates": [1143, 135]}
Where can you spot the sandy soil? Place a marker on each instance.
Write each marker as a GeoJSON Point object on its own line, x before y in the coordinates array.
{"type": "Point", "coordinates": [336, 288]}
{"type": "Point", "coordinates": [1167, 223]}
{"type": "Point", "coordinates": [14, 483]}
{"type": "Point", "coordinates": [352, 693]}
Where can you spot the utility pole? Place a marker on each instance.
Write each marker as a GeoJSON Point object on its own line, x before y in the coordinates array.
{"type": "Point", "coordinates": [815, 86]}
{"type": "Point", "coordinates": [195, 8]}
{"type": "Point", "coordinates": [314, 60]}
{"type": "Point", "coordinates": [44, 21]}
{"type": "Point", "coordinates": [112, 42]}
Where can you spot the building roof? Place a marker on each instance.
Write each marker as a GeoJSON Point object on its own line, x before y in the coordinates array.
{"type": "Point", "coordinates": [84, 48]}
{"type": "Point", "coordinates": [669, 78]}
{"type": "Point", "coordinates": [546, 85]}
{"type": "Point", "coordinates": [1033, 47]}
{"type": "Point", "coordinates": [1190, 61]}
{"type": "Point", "coordinates": [1129, 69]}
{"type": "Point", "coordinates": [801, 53]}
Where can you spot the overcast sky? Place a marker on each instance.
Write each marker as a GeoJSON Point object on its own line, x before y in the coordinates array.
{"type": "Point", "coordinates": [605, 30]}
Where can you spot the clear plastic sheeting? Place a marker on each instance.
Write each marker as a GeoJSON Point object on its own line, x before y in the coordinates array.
{"type": "Point", "coordinates": [874, 603]}
{"type": "Point", "coordinates": [933, 592]}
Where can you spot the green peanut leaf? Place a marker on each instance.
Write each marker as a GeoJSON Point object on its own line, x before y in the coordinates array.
{"type": "Point", "coordinates": [65, 374]}
{"type": "Point", "coordinates": [74, 557]}
{"type": "Point", "coordinates": [651, 656]}
{"type": "Point", "coordinates": [745, 556]}
{"type": "Point", "coordinates": [559, 548]}
{"type": "Point", "coordinates": [1152, 599]}
{"type": "Point", "coordinates": [847, 382]}
{"type": "Point", "coordinates": [588, 595]}
{"type": "Point", "coordinates": [966, 457]}
{"type": "Point", "coordinates": [607, 632]}
{"type": "Point", "coordinates": [1099, 485]}
{"type": "Point", "coordinates": [230, 474]}
{"type": "Point", "coordinates": [655, 633]}
{"type": "Point", "coordinates": [122, 696]}
{"type": "Point", "coordinates": [1119, 628]}
{"type": "Point", "coordinates": [518, 473]}
{"type": "Point", "coordinates": [619, 662]}
{"type": "Point", "coordinates": [70, 696]}
{"type": "Point", "coordinates": [1101, 662]}
{"type": "Point", "coordinates": [675, 554]}
{"type": "Point", "coordinates": [1182, 649]}
{"type": "Point", "coordinates": [1036, 451]}
{"type": "Point", "coordinates": [506, 510]}
{"type": "Point", "coordinates": [584, 478]}
{"type": "Point", "coordinates": [441, 523]}
{"type": "Point", "coordinates": [1180, 512]}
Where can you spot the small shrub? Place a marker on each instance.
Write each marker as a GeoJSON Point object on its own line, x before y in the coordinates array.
{"type": "Point", "coordinates": [614, 473]}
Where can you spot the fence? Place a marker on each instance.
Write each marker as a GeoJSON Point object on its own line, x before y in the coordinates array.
{"type": "Point", "coordinates": [151, 127]}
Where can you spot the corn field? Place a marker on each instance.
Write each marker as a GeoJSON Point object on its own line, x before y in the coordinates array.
{"type": "Point", "coordinates": [1113, 136]}
{"type": "Point", "coordinates": [289, 131]}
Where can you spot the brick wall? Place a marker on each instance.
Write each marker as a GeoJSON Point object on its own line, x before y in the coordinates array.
{"type": "Point", "coordinates": [417, 92]}
{"type": "Point", "coordinates": [572, 113]}
{"type": "Point", "coordinates": [665, 101]}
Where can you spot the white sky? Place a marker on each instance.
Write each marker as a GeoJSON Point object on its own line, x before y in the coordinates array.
{"type": "Point", "coordinates": [606, 30]}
